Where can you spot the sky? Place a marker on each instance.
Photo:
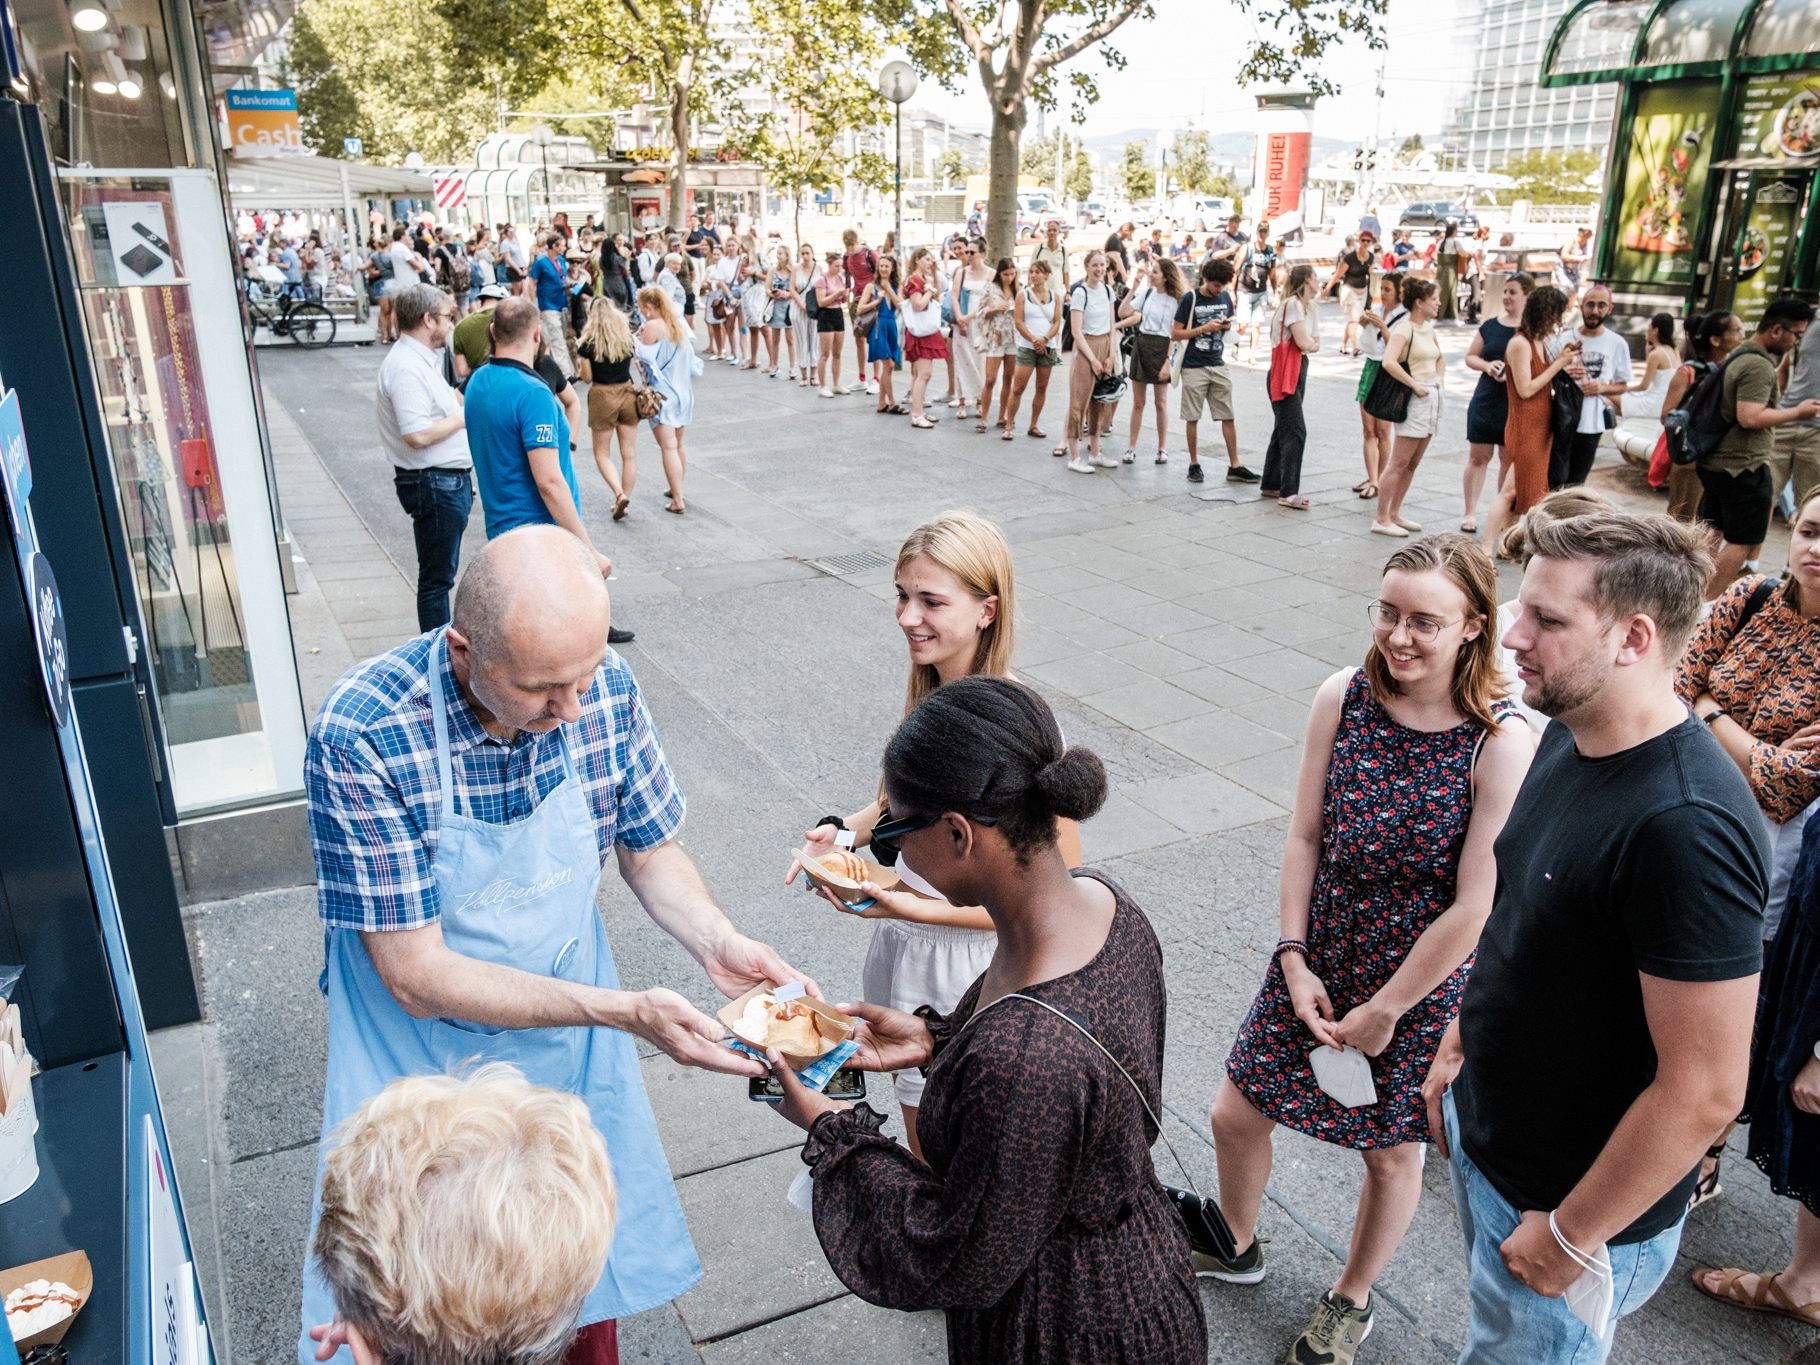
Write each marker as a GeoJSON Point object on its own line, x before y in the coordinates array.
{"type": "Point", "coordinates": [1169, 82]}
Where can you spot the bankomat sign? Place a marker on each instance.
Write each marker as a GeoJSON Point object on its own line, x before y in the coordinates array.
{"type": "Point", "coordinates": [263, 123]}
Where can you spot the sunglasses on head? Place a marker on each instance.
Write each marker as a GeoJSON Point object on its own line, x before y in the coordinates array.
{"type": "Point", "coordinates": [887, 836]}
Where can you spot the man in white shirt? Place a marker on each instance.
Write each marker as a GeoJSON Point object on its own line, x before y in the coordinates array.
{"type": "Point", "coordinates": [1602, 371]}
{"type": "Point", "coordinates": [423, 429]}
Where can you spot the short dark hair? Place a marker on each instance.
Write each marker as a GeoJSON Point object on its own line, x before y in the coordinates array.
{"type": "Point", "coordinates": [1650, 566]}
{"type": "Point", "coordinates": [989, 749]}
{"type": "Point", "coordinates": [1217, 272]}
{"type": "Point", "coordinates": [512, 319]}
{"type": "Point", "coordinates": [1787, 311]}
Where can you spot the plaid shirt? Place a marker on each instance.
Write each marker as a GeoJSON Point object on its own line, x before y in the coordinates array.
{"type": "Point", "coordinates": [370, 777]}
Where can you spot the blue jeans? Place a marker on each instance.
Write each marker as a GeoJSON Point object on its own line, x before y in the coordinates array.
{"type": "Point", "coordinates": [438, 502]}
{"type": "Point", "coordinates": [1510, 1321]}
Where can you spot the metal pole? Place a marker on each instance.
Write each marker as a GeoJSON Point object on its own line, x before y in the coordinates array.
{"type": "Point", "coordinates": [546, 182]}
{"type": "Point", "coordinates": [897, 169]}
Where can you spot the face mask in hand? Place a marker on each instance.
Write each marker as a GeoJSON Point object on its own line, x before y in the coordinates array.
{"type": "Point", "coordinates": [1589, 1298]}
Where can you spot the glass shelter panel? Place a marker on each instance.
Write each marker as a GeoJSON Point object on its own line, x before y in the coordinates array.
{"type": "Point", "coordinates": [1600, 38]}
{"type": "Point", "coordinates": [1783, 28]}
{"type": "Point", "coordinates": [1692, 31]}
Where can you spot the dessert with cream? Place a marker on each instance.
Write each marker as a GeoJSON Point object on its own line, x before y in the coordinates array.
{"type": "Point", "coordinates": [787, 1025]}
{"type": "Point", "coordinates": [37, 1305]}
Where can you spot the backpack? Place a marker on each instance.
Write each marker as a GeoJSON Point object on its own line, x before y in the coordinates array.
{"type": "Point", "coordinates": [1702, 422]}
{"type": "Point", "coordinates": [461, 272]}
{"type": "Point", "coordinates": [1254, 275]}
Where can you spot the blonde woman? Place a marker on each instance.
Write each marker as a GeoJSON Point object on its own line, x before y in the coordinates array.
{"type": "Point", "coordinates": [955, 607]}
{"type": "Point", "coordinates": [666, 349]}
{"type": "Point", "coordinates": [831, 294]}
{"type": "Point", "coordinates": [1090, 315]}
{"type": "Point", "coordinates": [802, 325]}
{"type": "Point", "coordinates": [923, 340]}
{"type": "Point", "coordinates": [606, 350]}
{"type": "Point", "coordinates": [966, 300]}
{"type": "Point", "coordinates": [781, 309]}
{"type": "Point", "coordinates": [754, 306]}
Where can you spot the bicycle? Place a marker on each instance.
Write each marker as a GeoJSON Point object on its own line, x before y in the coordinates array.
{"type": "Point", "coordinates": [304, 321]}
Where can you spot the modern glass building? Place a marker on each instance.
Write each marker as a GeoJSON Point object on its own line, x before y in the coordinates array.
{"type": "Point", "coordinates": [1504, 111]}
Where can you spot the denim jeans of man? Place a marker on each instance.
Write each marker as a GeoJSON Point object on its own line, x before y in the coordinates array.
{"type": "Point", "coordinates": [438, 502]}
{"type": "Point", "coordinates": [1510, 1321]}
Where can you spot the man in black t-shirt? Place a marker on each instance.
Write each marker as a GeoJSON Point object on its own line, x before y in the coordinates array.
{"type": "Point", "coordinates": [1202, 319]}
{"type": "Point", "coordinates": [1605, 1032]}
{"type": "Point", "coordinates": [1118, 253]}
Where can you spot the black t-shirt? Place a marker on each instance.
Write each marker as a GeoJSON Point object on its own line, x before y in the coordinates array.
{"type": "Point", "coordinates": [1196, 310]}
{"type": "Point", "coordinates": [605, 371]}
{"type": "Point", "coordinates": [1653, 861]}
{"type": "Point", "coordinates": [1358, 272]}
{"type": "Point", "coordinates": [698, 242]}
{"type": "Point", "coordinates": [1254, 273]}
{"type": "Point", "coordinates": [551, 374]}
{"type": "Point", "coordinates": [1115, 246]}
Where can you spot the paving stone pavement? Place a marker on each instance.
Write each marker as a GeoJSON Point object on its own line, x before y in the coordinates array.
{"type": "Point", "coordinates": [1180, 634]}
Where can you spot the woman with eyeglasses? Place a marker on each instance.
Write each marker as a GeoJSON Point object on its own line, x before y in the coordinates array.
{"type": "Point", "coordinates": [1034, 1217]}
{"type": "Point", "coordinates": [954, 605]}
{"type": "Point", "coordinates": [1409, 770]}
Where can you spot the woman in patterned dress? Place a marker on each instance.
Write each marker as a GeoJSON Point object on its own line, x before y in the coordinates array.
{"type": "Point", "coordinates": [1409, 770]}
{"type": "Point", "coordinates": [1035, 1218]}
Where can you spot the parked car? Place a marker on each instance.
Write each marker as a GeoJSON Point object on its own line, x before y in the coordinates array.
{"type": "Point", "coordinates": [1434, 213]}
{"type": "Point", "coordinates": [1035, 224]}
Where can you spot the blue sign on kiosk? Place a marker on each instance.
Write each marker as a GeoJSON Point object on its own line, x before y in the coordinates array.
{"type": "Point", "coordinates": [104, 1185]}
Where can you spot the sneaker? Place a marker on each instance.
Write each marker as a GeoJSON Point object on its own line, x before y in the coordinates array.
{"type": "Point", "coordinates": [1162, 457]}
{"type": "Point", "coordinates": [1103, 462]}
{"type": "Point", "coordinates": [1239, 474]}
{"type": "Point", "coordinates": [1245, 1268]}
{"type": "Point", "coordinates": [1333, 1336]}
{"type": "Point", "coordinates": [1080, 466]}
{"type": "Point", "coordinates": [872, 387]}
{"type": "Point", "coordinates": [827, 393]}
{"type": "Point", "coordinates": [1129, 457]}
{"type": "Point", "coordinates": [1195, 475]}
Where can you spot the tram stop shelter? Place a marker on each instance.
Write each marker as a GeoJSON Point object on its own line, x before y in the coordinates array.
{"type": "Point", "coordinates": [1709, 190]}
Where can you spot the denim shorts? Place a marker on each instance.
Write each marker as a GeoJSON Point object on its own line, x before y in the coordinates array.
{"type": "Point", "coordinates": [1509, 1320]}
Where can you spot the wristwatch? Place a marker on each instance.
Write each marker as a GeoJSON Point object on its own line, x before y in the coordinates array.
{"type": "Point", "coordinates": [843, 837]}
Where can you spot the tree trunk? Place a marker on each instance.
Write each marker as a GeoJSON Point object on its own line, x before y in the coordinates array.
{"type": "Point", "coordinates": [1001, 194]}
{"type": "Point", "coordinates": [679, 171]}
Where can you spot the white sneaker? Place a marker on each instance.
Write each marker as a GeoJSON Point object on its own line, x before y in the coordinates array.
{"type": "Point", "coordinates": [944, 401]}
{"type": "Point", "coordinates": [1080, 466]}
{"type": "Point", "coordinates": [1103, 462]}
{"type": "Point", "coordinates": [955, 402]}
{"type": "Point", "coordinates": [827, 393]}
{"type": "Point", "coordinates": [872, 387]}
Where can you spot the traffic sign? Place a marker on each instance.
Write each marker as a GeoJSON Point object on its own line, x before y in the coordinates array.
{"type": "Point", "coordinates": [352, 146]}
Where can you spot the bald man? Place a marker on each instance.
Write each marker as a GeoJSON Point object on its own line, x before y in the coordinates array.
{"type": "Point", "coordinates": [465, 792]}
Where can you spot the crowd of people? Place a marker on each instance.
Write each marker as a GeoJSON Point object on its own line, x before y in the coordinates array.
{"type": "Point", "coordinates": [1594, 792]}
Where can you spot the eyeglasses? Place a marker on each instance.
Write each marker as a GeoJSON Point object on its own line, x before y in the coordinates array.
{"type": "Point", "coordinates": [1386, 618]}
{"type": "Point", "coordinates": [887, 838]}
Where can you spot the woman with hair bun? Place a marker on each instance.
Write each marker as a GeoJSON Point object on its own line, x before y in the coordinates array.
{"type": "Point", "coordinates": [1409, 770]}
{"type": "Point", "coordinates": [1035, 1219]}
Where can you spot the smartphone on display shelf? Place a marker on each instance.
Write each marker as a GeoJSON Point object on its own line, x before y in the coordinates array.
{"type": "Point", "coordinates": [848, 1084]}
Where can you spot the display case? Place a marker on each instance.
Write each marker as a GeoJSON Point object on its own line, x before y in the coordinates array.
{"type": "Point", "coordinates": [161, 307]}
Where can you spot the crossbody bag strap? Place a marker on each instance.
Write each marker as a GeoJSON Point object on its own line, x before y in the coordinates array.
{"type": "Point", "coordinates": [1086, 1033]}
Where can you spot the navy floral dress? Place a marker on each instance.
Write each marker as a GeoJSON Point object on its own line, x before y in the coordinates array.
{"type": "Point", "coordinates": [1393, 822]}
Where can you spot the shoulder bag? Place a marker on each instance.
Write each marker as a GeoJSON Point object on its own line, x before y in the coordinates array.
{"type": "Point", "coordinates": [1388, 398]}
{"type": "Point", "coordinates": [1285, 365]}
{"type": "Point", "coordinates": [646, 401]}
{"type": "Point", "coordinates": [1206, 1226]}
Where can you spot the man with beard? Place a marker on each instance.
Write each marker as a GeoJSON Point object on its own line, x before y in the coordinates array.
{"type": "Point", "coordinates": [1605, 1033]}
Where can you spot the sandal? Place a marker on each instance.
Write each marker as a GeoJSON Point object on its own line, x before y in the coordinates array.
{"type": "Point", "coordinates": [1037, 435]}
{"type": "Point", "coordinates": [922, 424]}
{"type": "Point", "coordinates": [898, 410]}
{"type": "Point", "coordinates": [1767, 1297]}
{"type": "Point", "coordinates": [1368, 491]}
{"type": "Point", "coordinates": [1296, 503]}
{"type": "Point", "coordinates": [1007, 434]}
{"type": "Point", "coordinates": [1361, 486]}
{"type": "Point", "coordinates": [1470, 526]}
{"type": "Point", "coordinates": [1059, 451]}
{"type": "Point", "coordinates": [619, 507]}
{"type": "Point", "coordinates": [979, 428]}
{"type": "Point", "coordinates": [1707, 1188]}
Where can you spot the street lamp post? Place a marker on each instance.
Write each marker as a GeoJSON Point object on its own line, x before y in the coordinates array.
{"type": "Point", "coordinates": [897, 83]}
{"type": "Point", "coordinates": [543, 135]}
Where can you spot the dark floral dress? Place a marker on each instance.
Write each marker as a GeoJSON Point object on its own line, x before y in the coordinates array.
{"type": "Point", "coordinates": [1393, 822]}
{"type": "Point", "coordinates": [1038, 1223]}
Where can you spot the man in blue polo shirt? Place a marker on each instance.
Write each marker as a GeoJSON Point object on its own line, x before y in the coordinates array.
{"type": "Point", "coordinates": [550, 277]}
{"type": "Point", "coordinates": [519, 438]}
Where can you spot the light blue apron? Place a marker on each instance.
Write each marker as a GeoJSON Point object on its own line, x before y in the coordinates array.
{"type": "Point", "coordinates": [522, 895]}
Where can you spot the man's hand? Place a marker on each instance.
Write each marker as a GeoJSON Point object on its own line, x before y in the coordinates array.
{"type": "Point", "coordinates": [663, 1018]}
{"type": "Point", "coordinates": [1809, 410]}
{"type": "Point", "coordinates": [606, 565]}
{"type": "Point", "coordinates": [1446, 1066]}
{"type": "Point", "coordinates": [889, 1040]}
{"type": "Point", "coordinates": [1369, 1028]}
{"type": "Point", "coordinates": [736, 964]}
{"type": "Point", "coordinates": [1804, 1090]}
{"type": "Point", "coordinates": [1534, 1258]}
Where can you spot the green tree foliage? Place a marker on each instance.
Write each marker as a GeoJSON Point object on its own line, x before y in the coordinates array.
{"type": "Point", "coordinates": [951, 167]}
{"type": "Point", "coordinates": [1411, 148]}
{"type": "Point", "coordinates": [824, 102]}
{"type": "Point", "coordinates": [1193, 161]}
{"type": "Point", "coordinates": [1037, 157]}
{"type": "Point", "coordinates": [1293, 35]}
{"type": "Point", "coordinates": [390, 76]}
{"type": "Point", "coordinates": [1554, 177]}
{"type": "Point", "coordinates": [1136, 173]}
{"type": "Point", "coordinates": [1018, 49]}
{"type": "Point", "coordinates": [1079, 186]}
